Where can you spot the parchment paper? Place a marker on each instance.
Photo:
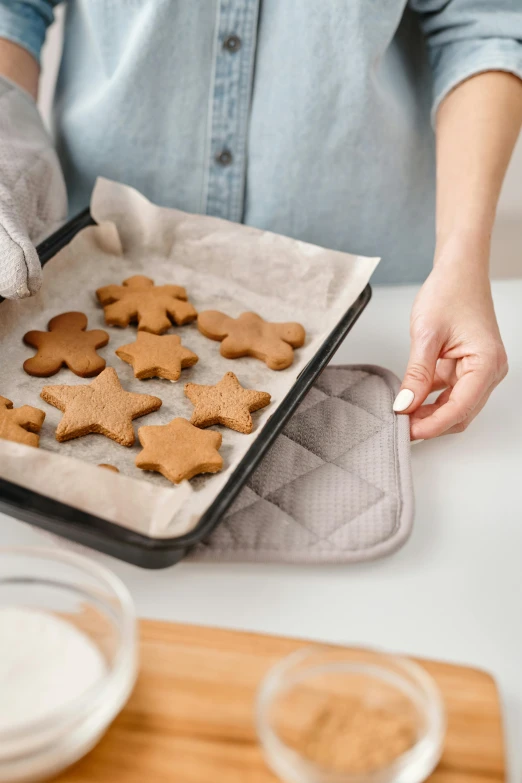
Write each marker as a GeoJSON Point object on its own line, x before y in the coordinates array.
{"type": "Point", "coordinates": [224, 266]}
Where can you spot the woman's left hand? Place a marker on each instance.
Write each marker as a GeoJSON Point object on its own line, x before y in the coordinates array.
{"type": "Point", "coordinates": [456, 346]}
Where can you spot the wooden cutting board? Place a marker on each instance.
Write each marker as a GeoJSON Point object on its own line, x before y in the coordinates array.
{"type": "Point", "coordinates": [190, 718]}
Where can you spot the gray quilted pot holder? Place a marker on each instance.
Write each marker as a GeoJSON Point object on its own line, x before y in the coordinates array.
{"type": "Point", "coordinates": [335, 487]}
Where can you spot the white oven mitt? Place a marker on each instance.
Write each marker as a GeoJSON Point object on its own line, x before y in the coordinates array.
{"type": "Point", "coordinates": [33, 198]}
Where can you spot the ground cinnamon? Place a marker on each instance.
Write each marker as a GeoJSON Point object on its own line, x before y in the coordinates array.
{"type": "Point", "coordinates": [346, 734]}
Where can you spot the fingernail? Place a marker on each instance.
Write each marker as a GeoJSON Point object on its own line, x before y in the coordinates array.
{"type": "Point", "coordinates": [403, 400]}
{"type": "Point", "coordinates": [414, 442]}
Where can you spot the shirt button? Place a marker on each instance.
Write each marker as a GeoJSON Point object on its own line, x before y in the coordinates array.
{"type": "Point", "coordinates": [232, 43]}
{"type": "Point", "coordinates": [224, 158]}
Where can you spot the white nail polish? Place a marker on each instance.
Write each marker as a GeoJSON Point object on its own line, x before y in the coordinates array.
{"type": "Point", "coordinates": [403, 400]}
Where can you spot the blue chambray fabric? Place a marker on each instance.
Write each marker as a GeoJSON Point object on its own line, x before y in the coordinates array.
{"type": "Point", "coordinates": [316, 126]}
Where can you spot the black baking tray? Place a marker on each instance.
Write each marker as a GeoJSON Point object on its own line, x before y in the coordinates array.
{"type": "Point", "coordinates": [124, 544]}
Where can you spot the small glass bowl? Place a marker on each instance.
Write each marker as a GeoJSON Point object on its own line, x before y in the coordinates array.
{"type": "Point", "coordinates": [94, 600]}
{"type": "Point", "coordinates": [327, 715]}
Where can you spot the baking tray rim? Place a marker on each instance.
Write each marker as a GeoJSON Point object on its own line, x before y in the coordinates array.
{"type": "Point", "coordinates": [34, 511]}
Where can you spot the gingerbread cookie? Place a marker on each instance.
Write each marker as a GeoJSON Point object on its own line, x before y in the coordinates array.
{"type": "Point", "coordinates": [227, 403]}
{"type": "Point", "coordinates": [113, 468]}
{"type": "Point", "coordinates": [157, 356]}
{"type": "Point", "coordinates": [66, 344]}
{"type": "Point", "coordinates": [178, 450]}
{"type": "Point", "coordinates": [102, 406]}
{"type": "Point", "coordinates": [250, 335]}
{"type": "Point", "coordinates": [20, 425]}
{"type": "Point", "coordinates": [153, 307]}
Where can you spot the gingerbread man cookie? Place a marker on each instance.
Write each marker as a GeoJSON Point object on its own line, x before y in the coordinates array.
{"type": "Point", "coordinates": [153, 307]}
{"type": "Point", "coordinates": [66, 344]}
{"type": "Point", "coordinates": [227, 403]}
{"type": "Point", "coordinates": [251, 335]}
{"type": "Point", "coordinates": [101, 406]}
{"type": "Point", "coordinates": [20, 425]}
{"type": "Point", "coordinates": [157, 356]}
{"type": "Point", "coordinates": [179, 451]}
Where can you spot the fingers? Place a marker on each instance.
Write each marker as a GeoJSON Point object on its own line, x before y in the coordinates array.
{"type": "Point", "coordinates": [445, 374]}
{"type": "Point", "coordinates": [428, 410]}
{"type": "Point", "coordinates": [420, 373]}
{"type": "Point", "coordinates": [469, 383]}
{"type": "Point", "coordinates": [464, 425]}
{"type": "Point", "coordinates": [455, 408]}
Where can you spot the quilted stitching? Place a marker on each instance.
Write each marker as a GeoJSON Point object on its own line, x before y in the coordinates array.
{"type": "Point", "coordinates": [330, 487]}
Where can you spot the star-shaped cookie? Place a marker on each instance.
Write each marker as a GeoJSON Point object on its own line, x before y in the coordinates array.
{"type": "Point", "coordinates": [227, 403]}
{"type": "Point", "coordinates": [101, 406]}
{"type": "Point", "coordinates": [157, 356]}
{"type": "Point", "coordinates": [153, 307]}
{"type": "Point", "coordinates": [178, 450]}
{"type": "Point", "coordinates": [251, 335]}
{"type": "Point", "coordinates": [20, 425]}
{"type": "Point", "coordinates": [66, 344]}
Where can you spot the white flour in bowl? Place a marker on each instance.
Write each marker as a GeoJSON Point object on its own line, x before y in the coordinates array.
{"type": "Point", "coordinates": [45, 663]}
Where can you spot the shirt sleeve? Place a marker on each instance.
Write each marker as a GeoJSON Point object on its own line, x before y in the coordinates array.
{"type": "Point", "coordinates": [466, 37]}
{"type": "Point", "coordinates": [25, 22]}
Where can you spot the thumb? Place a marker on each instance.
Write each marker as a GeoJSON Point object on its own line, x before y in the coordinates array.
{"type": "Point", "coordinates": [420, 373]}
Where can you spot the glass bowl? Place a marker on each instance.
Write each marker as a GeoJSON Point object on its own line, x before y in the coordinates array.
{"type": "Point", "coordinates": [327, 715]}
{"type": "Point", "coordinates": [89, 597]}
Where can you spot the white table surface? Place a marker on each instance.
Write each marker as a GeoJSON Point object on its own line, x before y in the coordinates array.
{"type": "Point", "coordinates": [454, 592]}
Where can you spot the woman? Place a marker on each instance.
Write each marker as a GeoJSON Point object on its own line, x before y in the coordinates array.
{"type": "Point", "coordinates": [310, 119]}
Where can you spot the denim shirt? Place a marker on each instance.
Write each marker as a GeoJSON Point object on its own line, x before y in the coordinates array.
{"type": "Point", "coordinates": [307, 118]}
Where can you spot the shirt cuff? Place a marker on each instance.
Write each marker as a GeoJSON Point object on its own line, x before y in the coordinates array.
{"type": "Point", "coordinates": [452, 63]}
{"type": "Point", "coordinates": [25, 26]}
